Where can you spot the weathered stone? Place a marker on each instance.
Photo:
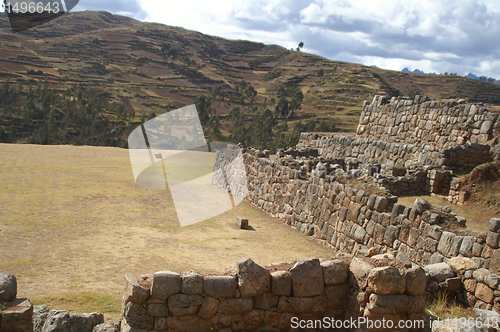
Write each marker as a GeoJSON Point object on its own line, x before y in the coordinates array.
{"type": "Point", "coordinates": [64, 321]}
{"type": "Point", "coordinates": [466, 246]}
{"type": "Point", "coordinates": [416, 281]}
{"type": "Point", "coordinates": [235, 306]}
{"type": "Point", "coordinates": [8, 287]}
{"type": "Point", "coordinates": [18, 317]}
{"type": "Point", "coordinates": [484, 293]}
{"type": "Point", "coordinates": [192, 283]}
{"type": "Point", "coordinates": [158, 309]}
{"type": "Point", "coordinates": [402, 260]}
{"type": "Point", "coordinates": [461, 264]}
{"type": "Point", "coordinates": [184, 304]}
{"type": "Point", "coordinates": [334, 271]}
{"type": "Point", "coordinates": [439, 271]}
{"type": "Point", "coordinates": [381, 204]}
{"type": "Point", "coordinates": [470, 285]}
{"type": "Point", "coordinates": [421, 205]}
{"type": "Point", "coordinates": [109, 326]}
{"type": "Point", "coordinates": [295, 305]}
{"type": "Point", "coordinates": [492, 280]}
{"type": "Point", "coordinates": [241, 222]}
{"type": "Point", "coordinates": [253, 279]}
{"type": "Point", "coordinates": [487, 316]}
{"type": "Point", "coordinates": [40, 313]}
{"type": "Point", "coordinates": [307, 278]}
{"type": "Point", "coordinates": [208, 307]}
{"type": "Point", "coordinates": [494, 225]}
{"type": "Point", "coordinates": [220, 286]}
{"type": "Point", "coordinates": [492, 240]}
{"type": "Point", "coordinates": [164, 284]}
{"type": "Point", "coordinates": [436, 258]}
{"type": "Point", "coordinates": [359, 271]}
{"type": "Point", "coordinates": [453, 284]}
{"type": "Point", "coordinates": [187, 324]}
{"type": "Point", "coordinates": [265, 301]}
{"type": "Point", "coordinates": [386, 281]}
{"type": "Point", "coordinates": [134, 291]}
{"type": "Point", "coordinates": [446, 243]}
{"type": "Point", "coordinates": [281, 283]}
{"type": "Point", "coordinates": [337, 296]}
{"type": "Point", "coordinates": [480, 274]}
{"type": "Point", "coordinates": [388, 304]}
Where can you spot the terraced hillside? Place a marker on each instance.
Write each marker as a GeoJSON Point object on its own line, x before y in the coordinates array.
{"type": "Point", "coordinates": [151, 67]}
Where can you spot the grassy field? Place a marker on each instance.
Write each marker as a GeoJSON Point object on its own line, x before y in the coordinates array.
{"type": "Point", "coordinates": [73, 223]}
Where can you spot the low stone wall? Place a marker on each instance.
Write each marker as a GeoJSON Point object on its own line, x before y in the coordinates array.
{"type": "Point", "coordinates": [249, 297]}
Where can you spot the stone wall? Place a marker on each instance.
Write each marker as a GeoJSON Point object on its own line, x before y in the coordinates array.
{"type": "Point", "coordinates": [444, 124]}
{"type": "Point", "coordinates": [369, 150]}
{"type": "Point", "coordinates": [401, 132]}
{"type": "Point", "coordinates": [249, 297]}
{"type": "Point", "coordinates": [353, 221]}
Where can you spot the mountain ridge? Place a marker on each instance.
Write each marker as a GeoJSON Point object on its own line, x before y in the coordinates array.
{"type": "Point", "coordinates": [151, 68]}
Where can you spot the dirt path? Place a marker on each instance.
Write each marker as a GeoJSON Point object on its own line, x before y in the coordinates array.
{"type": "Point", "coordinates": [73, 222]}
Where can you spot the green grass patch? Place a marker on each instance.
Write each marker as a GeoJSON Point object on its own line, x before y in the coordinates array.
{"type": "Point", "coordinates": [82, 302]}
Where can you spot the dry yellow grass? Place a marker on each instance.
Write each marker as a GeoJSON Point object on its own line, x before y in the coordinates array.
{"type": "Point", "coordinates": [73, 223]}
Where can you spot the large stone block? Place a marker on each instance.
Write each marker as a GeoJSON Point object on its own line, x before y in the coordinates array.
{"type": "Point", "coordinates": [446, 243]}
{"type": "Point", "coordinates": [63, 321]}
{"type": "Point", "coordinates": [220, 286]}
{"type": "Point", "coordinates": [386, 281]}
{"type": "Point", "coordinates": [208, 307]}
{"type": "Point", "coordinates": [439, 271]}
{"type": "Point", "coordinates": [307, 278]}
{"type": "Point", "coordinates": [265, 301]}
{"type": "Point", "coordinates": [253, 279]}
{"type": "Point", "coordinates": [134, 291]}
{"type": "Point", "coordinates": [281, 283]}
{"type": "Point", "coordinates": [192, 283]}
{"type": "Point", "coordinates": [416, 281]}
{"type": "Point", "coordinates": [8, 287]}
{"type": "Point", "coordinates": [235, 306]}
{"type": "Point", "coordinates": [184, 304]}
{"type": "Point", "coordinates": [494, 225]}
{"type": "Point", "coordinates": [18, 317]}
{"type": "Point", "coordinates": [388, 304]}
{"type": "Point", "coordinates": [359, 271]}
{"type": "Point", "coordinates": [484, 293]}
{"type": "Point", "coordinates": [334, 271]}
{"type": "Point", "coordinates": [295, 305]}
{"type": "Point", "coordinates": [164, 284]}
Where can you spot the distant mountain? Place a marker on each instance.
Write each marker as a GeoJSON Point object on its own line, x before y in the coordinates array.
{"type": "Point", "coordinates": [483, 78]}
{"type": "Point", "coordinates": [416, 71]}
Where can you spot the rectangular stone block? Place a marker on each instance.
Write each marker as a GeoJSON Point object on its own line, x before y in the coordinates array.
{"type": "Point", "coordinates": [241, 222]}
{"type": "Point", "coordinates": [17, 317]}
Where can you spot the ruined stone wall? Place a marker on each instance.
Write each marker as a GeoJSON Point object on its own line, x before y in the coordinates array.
{"type": "Point", "coordinates": [249, 297]}
{"type": "Point", "coordinates": [401, 132]}
{"type": "Point", "coordinates": [353, 221]}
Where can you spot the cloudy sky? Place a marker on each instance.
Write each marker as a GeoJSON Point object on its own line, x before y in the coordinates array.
{"type": "Point", "coordinates": [458, 36]}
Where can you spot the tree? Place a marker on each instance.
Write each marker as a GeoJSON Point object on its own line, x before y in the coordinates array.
{"type": "Point", "coordinates": [301, 44]}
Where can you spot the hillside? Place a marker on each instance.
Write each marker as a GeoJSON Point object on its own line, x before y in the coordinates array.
{"type": "Point", "coordinates": [150, 68]}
